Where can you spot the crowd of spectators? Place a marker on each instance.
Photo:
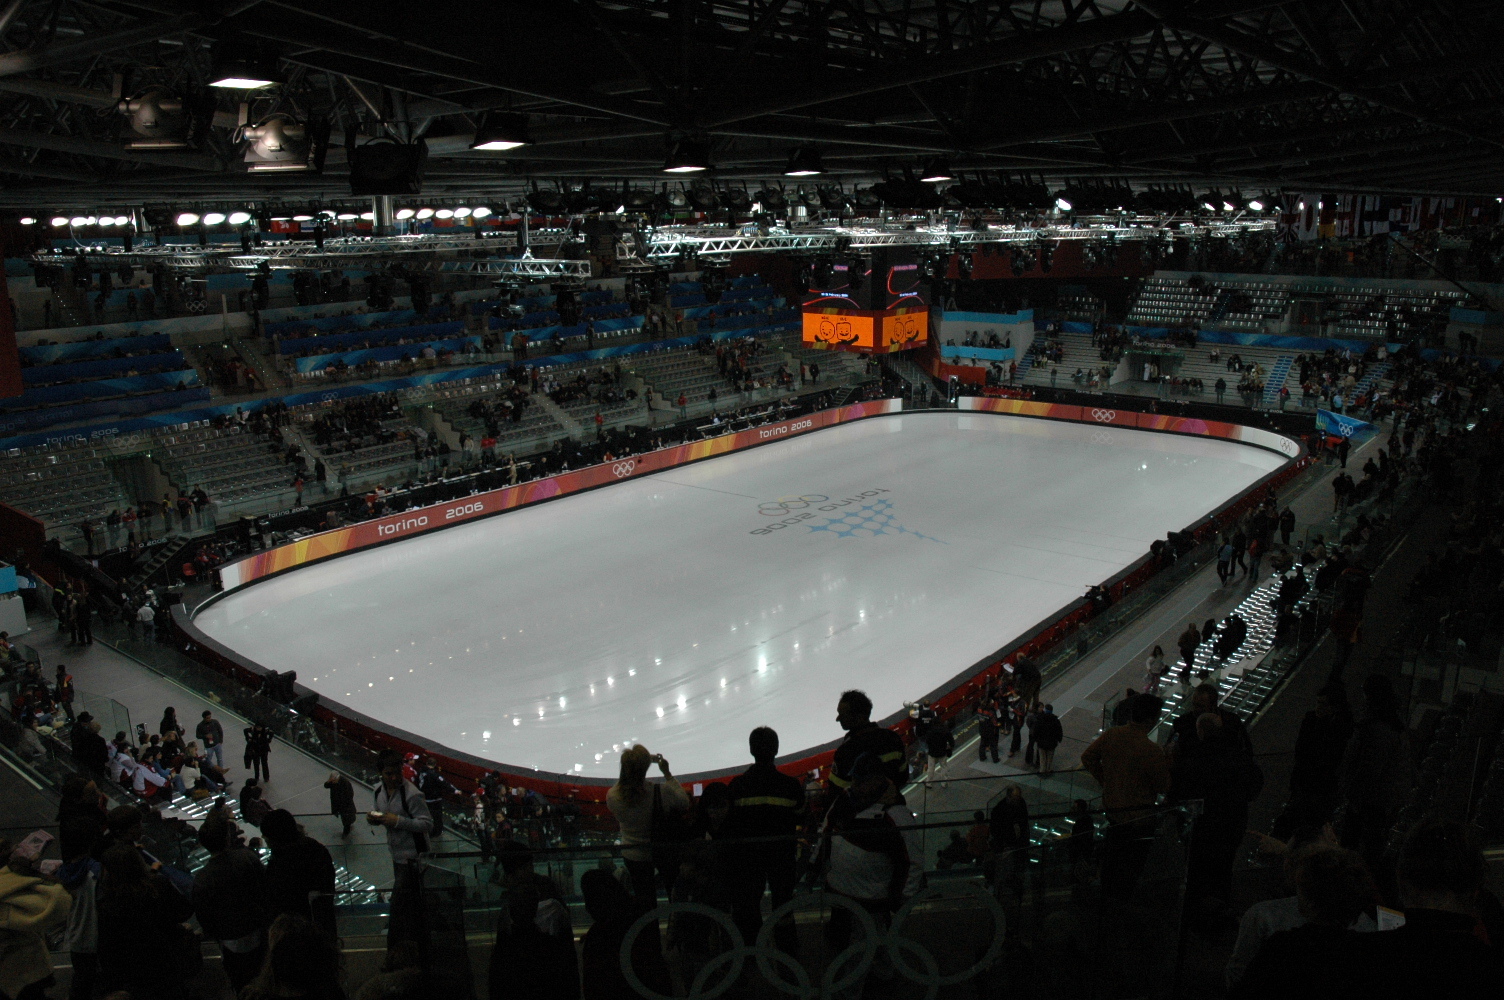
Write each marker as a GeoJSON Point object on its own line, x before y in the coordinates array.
{"type": "Point", "coordinates": [361, 422]}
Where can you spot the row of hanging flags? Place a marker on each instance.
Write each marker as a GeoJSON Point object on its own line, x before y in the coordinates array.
{"type": "Point", "coordinates": [1349, 216]}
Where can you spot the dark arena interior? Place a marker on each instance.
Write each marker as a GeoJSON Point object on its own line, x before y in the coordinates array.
{"type": "Point", "coordinates": [640, 468]}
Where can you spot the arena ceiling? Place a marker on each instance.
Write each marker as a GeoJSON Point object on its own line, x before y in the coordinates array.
{"type": "Point", "coordinates": [1402, 96]}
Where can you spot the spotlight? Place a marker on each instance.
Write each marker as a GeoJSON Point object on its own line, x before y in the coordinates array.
{"type": "Point", "coordinates": [27, 220]}
{"type": "Point", "coordinates": [122, 220]}
{"type": "Point", "coordinates": [239, 218]}
{"type": "Point", "coordinates": [59, 221]}
{"type": "Point", "coordinates": [499, 131]}
{"type": "Point", "coordinates": [1256, 204]}
{"type": "Point", "coordinates": [283, 145]}
{"type": "Point", "coordinates": [444, 213]}
{"type": "Point", "coordinates": [348, 216]}
{"type": "Point", "coordinates": [187, 218]}
{"type": "Point", "coordinates": [462, 212]}
{"type": "Point", "coordinates": [1211, 201]}
{"type": "Point", "coordinates": [214, 218]}
{"type": "Point", "coordinates": [368, 216]}
{"type": "Point", "coordinates": [424, 213]}
{"type": "Point", "coordinates": [935, 170]}
{"type": "Point", "coordinates": [804, 162]}
{"type": "Point", "coordinates": [106, 220]}
{"type": "Point", "coordinates": [83, 220]}
{"type": "Point", "coordinates": [687, 156]}
{"type": "Point", "coordinates": [402, 213]}
{"type": "Point", "coordinates": [158, 118]}
{"type": "Point", "coordinates": [480, 212]}
{"type": "Point", "coordinates": [384, 166]}
{"type": "Point", "coordinates": [1061, 204]}
{"type": "Point", "coordinates": [92, 220]}
{"type": "Point", "coordinates": [302, 218]}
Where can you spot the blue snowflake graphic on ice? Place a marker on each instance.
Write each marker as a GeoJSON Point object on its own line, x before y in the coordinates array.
{"type": "Point", "coordinates": [867, 521]}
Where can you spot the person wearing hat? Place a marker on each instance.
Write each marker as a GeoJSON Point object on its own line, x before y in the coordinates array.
{"type": "Point", "coordinates": [90, 751]}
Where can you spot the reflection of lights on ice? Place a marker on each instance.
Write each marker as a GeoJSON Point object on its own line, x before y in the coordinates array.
{"type": "Point", "coordinates": [486, 735]}
{"type": "Point", "coordinates": [660, 711]}
{"type": "Point", "coordinates": [683, 701]}
{"type": "Point", "coordinates": [516, 722]}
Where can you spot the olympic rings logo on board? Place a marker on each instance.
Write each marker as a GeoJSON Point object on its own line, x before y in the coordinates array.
{"type": "Point", "coordinates": [1105, 416]}
{"type": "Point", "coordinates": [843, 972]}
{"type": "Point", "coordinates": [786, 505]}
{"type": "Point", "coordinates": [623, 469]}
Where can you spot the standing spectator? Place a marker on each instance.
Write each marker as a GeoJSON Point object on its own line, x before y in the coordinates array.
{"type": "Point", "coordinates": [1320, 747]}
{"type": "Point", "coordinates": [169, 723]}
{"type": "Point", "coordinates": [341, 800]}
{"type": "Point", "coordinates": [211, 736]}
{"type": "Point", "coordinates": [939, 741]}
{"type": "Point", "coordinates": [258, 746]}
{"type": "Point", "coordinates": [1047, 734]}
{"type": "Point", "coordinates": [1255, 557]}
{"type": "Point", "coordinates": [1222, 775]}
{"type": "Point", "coordinates": [300, 875]}
{"type": "Point", "coordinates": [90, 751]}
{"type": "Point", "coordinates": [1154, 671]}
{"type": "Point", "coordinates": [143, 946]}
{"type": "Point", "coordinates": [63, 691]}
{"type": "Point", "coordinates": [1224, 563]}
{"type": "Point", "coordinates": [768, 805]}
{"type": "Point", "coordinates": [146, 617]}
{"type": "Point", "coordinates": [1376, 770]}
{"type": "Point", "coordinates": [302, 961]}
{"type": "Point", "coordinates": [987, 733]}
{"type": "Point", "coordinates": [854, 715]}
{"type": "Point", "coordinates": [1190, 639]}
{"type": "Point", "coordinates": [1286, 525]}
{"type": "Point", "coordinates": [1133, 771]}
{"type": "Point", "coordinates": [434, 787]}
{"type": "Point", "coordinates": [401, 809]}
{"type": "Point", "coordinates": [233, 900]}
{"type": "Point", "coordinates": [640, 811]}
{"type": "Point", "coordinates": [1008, 825]}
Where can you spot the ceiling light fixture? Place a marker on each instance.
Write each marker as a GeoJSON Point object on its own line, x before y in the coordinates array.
{"type": "Point", "coordinates": [500, 131]}
{"type": "Point", "coordinates": [1063, 205]}
{"type": "Point", "coordinates": [804, 162]}
{"type": "Point", "coordinates": [158, 118]}
{"type": "Point", "coordinates": [122, 220]}
{"type": "Point", "coordinates": [687, 156]}
{"type": "Point", "coordinates": [242, 64]}
{"type": "Point", "coordinates": [27, 220]}
{"type": "Point", "coordinates": [935, 171]}
{"type": "Point", "coordinates": [281, 144]}
{"type": "Point", "coordinates": [82, 220]}
{"type": "Point", "coordinates": [106, 220]}
{"type": "Point", "coordinates": [59, 221]}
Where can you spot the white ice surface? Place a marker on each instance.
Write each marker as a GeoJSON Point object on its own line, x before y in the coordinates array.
{"type": "Point", "coordinates": [647, 611]}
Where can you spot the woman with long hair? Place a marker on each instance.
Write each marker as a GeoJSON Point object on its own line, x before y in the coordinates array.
{"type": "Point", "coordinates": [138, 908]}
{"type": "Point", "coordinates": [644, 813]}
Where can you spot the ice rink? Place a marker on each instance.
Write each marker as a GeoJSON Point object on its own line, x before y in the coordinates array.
{"type": "Point", "coordinates": [682, 609]}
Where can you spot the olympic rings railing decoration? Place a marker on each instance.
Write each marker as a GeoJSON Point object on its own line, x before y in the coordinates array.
{"type": "Point", "coordinates": [845, 970]}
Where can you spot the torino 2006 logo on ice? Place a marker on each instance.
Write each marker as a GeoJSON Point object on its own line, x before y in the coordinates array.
{"type": "Point", "coordinates": [862, 515]}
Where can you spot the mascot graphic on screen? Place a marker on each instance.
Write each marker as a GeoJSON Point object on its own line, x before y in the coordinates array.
{"type": "Point", "coordinates": [836, 331]}
{"type": "Point", "coordinates": [905, 330]}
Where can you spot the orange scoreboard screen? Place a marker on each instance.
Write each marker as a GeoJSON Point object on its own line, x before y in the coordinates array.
{"type": "Point", "coordinates": [866, 332]}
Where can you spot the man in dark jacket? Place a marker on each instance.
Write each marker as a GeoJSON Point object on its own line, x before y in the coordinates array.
{"type": "Point", "coordinates": [434, 787]}
{"type": "Point", "coordinates": [300, 873]}
{"type": "Point", "coordinates": [89, 748]}
{"type": "Point", "coordinates": [341, 799]}
{"type": "Point", "coordinates": [766, 808]}
{"type": "Point", "coordinates": [1219, 772]}
{"type": "Point", "coordinates": [1046, 734]}
{"type": "Point", "coordinates": [232, 899]}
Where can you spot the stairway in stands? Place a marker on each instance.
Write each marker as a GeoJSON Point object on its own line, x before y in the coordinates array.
{"type": "Point", "coordinates": [1370, 379]}
{"type": "Point", "coordinates": [1276, 380]}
